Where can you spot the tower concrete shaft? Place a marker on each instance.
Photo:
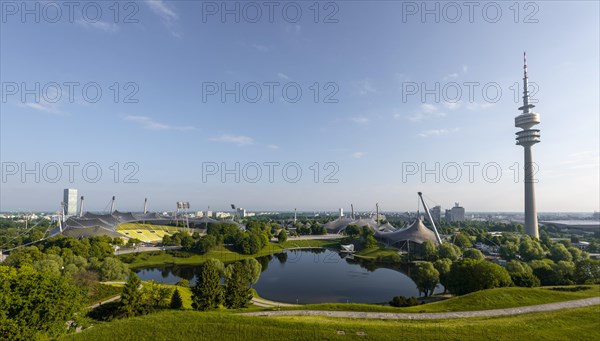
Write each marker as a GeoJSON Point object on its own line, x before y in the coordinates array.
{"type": "Point", "coordinates": [527, 137]}
{"type": "Point", "coordinates": [531, 219]}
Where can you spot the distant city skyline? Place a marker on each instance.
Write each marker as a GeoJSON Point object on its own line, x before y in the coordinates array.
{"type": "Point", "coordinates": [388, 120]}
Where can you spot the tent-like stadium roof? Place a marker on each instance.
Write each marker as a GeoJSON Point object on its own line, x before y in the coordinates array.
{"type": "Point", "coordinates": [93, 224]}
{"type": "Point", "coordinates": [416, 232]}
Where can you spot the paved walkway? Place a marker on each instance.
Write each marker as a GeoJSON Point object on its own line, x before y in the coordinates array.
{"type": "Point", "coordinates": [145, 249]}
{"type": "Point", "coordinates": [261, 302]}
{"type": "Point", "coordinates": [431, 316]}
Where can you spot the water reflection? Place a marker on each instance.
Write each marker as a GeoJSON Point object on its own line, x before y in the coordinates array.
{"type": "Point", "coordinates": [312, 276]}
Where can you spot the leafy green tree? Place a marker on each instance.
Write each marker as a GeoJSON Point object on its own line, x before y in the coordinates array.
{"type": "Point", "coordinates": [577, 254]}
{"type": "Point", "coordinates": [530, 249]}
{"type": "Point", "coordinates": [365, 231]}
{"type": "Point", "coordinates": [429, 251]}
{"type": "Point", "coordinates": [471, 275]}
{"type": "Point", "coordinates": [155, 294]}
{"type": "Point", "coordinates": [426, 278]}
{"type": "Point", "coordinates": [443, 267]}
{"type": "Point", "coordinates": [134, 241]}
{"type": "Point", "coordinates": [587, 271]}
{"type": "Point", "coordinates": [71, 270]}
{"type": "Point", "coordinates": [176, 300]}
{"type": "Point", "coordinates": [255, 243]}
{"type": "Point", "coordinates": [205, 244]}
{"type": "Point", "coordinates": [524, 279]}
{"type": "Point", "coordinates": [509, 251]}
{"type": "Point", "coordinates": [113, 269]}
{"type": "Point", "coordinates": [317, 229]}
{"type": "Point", "coordinates": [558, 252]}
{"type": "Point", "coordinates": [564, 272]}
{"type": "Point", "coordinates": [352, 230]}
{"type": "Point", "coordinates": [542, 269]}
{"type": "Point", "coordinates": [514, 266]}
{"type": "Point", "coordinates": [207, 294]}
{"type": "Point", "coordinates": [35, 305]}
{"type": "Point", "coordinates": [217, 264]}
{"type": "Point", "coordinates": [48, 266]}
{"type": "Point", "coordinates": [101, 247]}
{"type": "Point", "coordinates": [282, 236]}
{"type": "Point", "coordinates": [450, 251]}
{"type": "Point", "coordinates": [545, 239]}
{"type": "Point", "coordinates": [237, 290]}
{"type": "Point", "coordinates": [462, 240]}
{"type": "Point", "coordinates": [187, 242]}
{"type": "Point", "coordinates": [24, 256]}
{"type": "Point", "coordinates": [370, 242]}
{"type": "Point", "coordinates": [253, 269]}
{"type": "Point", "coordinates": [473, 254]}
{"type": "Point", "coordinates": [131, 297]}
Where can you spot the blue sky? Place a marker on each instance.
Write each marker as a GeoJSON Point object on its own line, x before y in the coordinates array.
{"type": "Point", "coordinates": [365, 63]}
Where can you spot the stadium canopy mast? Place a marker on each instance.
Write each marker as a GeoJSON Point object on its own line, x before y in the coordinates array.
{"type": "Point", "coordinates": [437, 235]}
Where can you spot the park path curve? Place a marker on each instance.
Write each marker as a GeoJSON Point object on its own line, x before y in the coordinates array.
{"type": "Point", "coordinates": [432, 316]}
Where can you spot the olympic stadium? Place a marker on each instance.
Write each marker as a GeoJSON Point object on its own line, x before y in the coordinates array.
{"type": "Point", "coordinates": [416, 232]}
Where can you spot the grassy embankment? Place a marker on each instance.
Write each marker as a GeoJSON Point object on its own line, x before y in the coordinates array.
{"type": "Point", "coordinates": [481, 300]}
{"type": "Point", "coordinates": [571, 324]}
{"type": "Point", "coordinates": [220, 252]}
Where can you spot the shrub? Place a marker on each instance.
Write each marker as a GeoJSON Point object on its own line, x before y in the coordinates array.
{"type": "Point", "coordinates": [571, 289]}
{"type": "Point", "coordinates": [183, 283]}
{"type": "Point", "coordinates": [525, 279]}
{"type": "Point", "coordinates": [401, 301]}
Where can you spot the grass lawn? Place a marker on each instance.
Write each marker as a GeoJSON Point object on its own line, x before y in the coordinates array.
{"type": "Point", "coordinates": [373, 253]}
{"type": "Point", "coordinates": [220, 252]}
{"type": "Point", "coordinates": [571, 324]}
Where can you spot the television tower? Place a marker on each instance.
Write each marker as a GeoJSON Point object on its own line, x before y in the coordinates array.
{"type": "Point", "coordinates": [527, 137]}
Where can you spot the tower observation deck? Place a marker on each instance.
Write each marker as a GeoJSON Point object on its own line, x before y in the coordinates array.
{"type": "Point", "coordinates": [527, 137]}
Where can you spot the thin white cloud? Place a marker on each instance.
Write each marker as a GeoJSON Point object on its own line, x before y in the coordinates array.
{"type": "Point", "coordinates": [358, 155]}
{"type": "Point", "coordinates": [455, 75]}
{"type": "Point", "coordinates": [400, 77]}
{"type": "Point", "coordinates": [261, 48]}
{"type": "Point", "coordinates": [451, 76]}
{"type": "Point", "coordinates": [150, 124]}
{"type": "Point", "coordinates": [283, 76]}
{"type": "Point", "coordinates": [479, 106]}
{"type": "Point", "coordinates": [295, 29]}
{"type": "Point", "coordinates": [272, 146]}
{"type": "Point", "coordinates": [360, 120]}
{"type": "Point", "coordinates": [50, 108]}
{"type": "Point", "coordinates": [167, 14]}
{"type": "Point", "coordinates": [365, 87]}
{"type": "Point", "coordinates": [452, 105]}
{"type": "Point", "coordinates": [426, 111]}
{"type": "Point", "coordinates": [240, 140]}
{"type": "Point", "coordinates": [582, 160]}
{"type": "Point", "coordinates": [437, 132]}
{"type": "Point", "coordinates": [99, 25]}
